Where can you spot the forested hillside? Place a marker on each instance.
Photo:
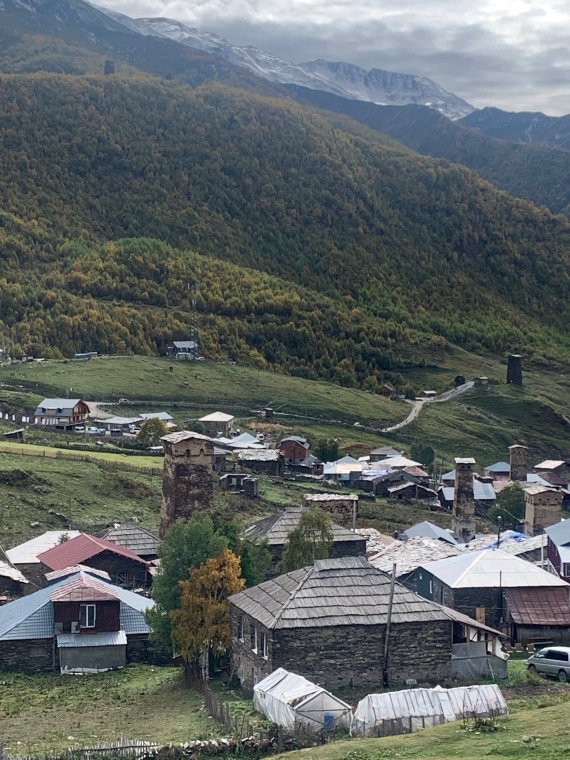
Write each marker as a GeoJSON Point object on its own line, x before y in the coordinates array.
{"type": "Point", "coordinates": [409, 242]}
{"type": "Point", "coordinates": [535, 173]}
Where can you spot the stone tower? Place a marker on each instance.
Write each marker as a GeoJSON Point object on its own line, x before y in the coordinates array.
{"type": "Point", "coordinates": [543, 507]}
{"type": "Point", "coordinates": [187, 481]}
{"type": "Point", "coordinates": [519, 462]}
{"type": "Point", "coordinates": [463, 518]}
{"type": "Point", "coordinates": [514, 369]}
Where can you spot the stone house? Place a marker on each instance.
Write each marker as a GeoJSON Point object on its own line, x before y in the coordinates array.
{"type": "Point", "coordinates": [61, 413]}
{"type": "Point", "coordinates": [276, 528]}
{"type": "Point", "coordinates": [268, 461]}
{"type": "Point", "coordinates": [475, 583]}
{"type": "Point", "coordinates": [498, 472]}
{"type": "Point", "coordinates": [328, 623]}
{"type": "Point", "coordinates": [343, 508]}
{"type": "Point", "coordinates": [543, 507]}
{"type": "Point", "coordinates": [384, 452]}
{"type": "Point", "coordinates": [295, 449]}
{"type": "Point", "coordinates": [124, 567]}
{"type": "Point", "coordinates": [218, 424]}
{"type": "Point", "coordinates": [80, 623]}
{"type": "Point", "coordinates": [24, 557]}
{"type": "Point", "coordinates": [555, 471]}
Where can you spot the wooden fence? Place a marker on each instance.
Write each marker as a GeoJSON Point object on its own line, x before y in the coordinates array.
{"type": "Point", "coordinates": [109, 464]}
{"type": "Point", "coordinates": [123, 747]}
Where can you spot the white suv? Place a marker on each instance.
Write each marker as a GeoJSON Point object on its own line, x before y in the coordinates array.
{"type": "Point", "coordinates": [551, 661]}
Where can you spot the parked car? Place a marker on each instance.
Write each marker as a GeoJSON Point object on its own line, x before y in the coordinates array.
{"type": "Point", "coordinates": [79, 429]}
{"type": "Point", "coordinates": [96, 430]}
{"type": "Point", "coordinates": [551, 661]}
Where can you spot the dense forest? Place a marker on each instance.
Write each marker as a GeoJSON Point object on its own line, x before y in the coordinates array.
{"type": "Point", "coordinates": [322, 254]}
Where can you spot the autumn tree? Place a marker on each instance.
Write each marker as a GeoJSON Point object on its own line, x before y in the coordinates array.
{"type": "Point", "coordinates": [186, 546]}
{"type": "Point", "coordinates": [202, 624]}
{"type": "Point", "coordinates": [310, 540]}
{"type": "Point", "coordinates": [152, 431]}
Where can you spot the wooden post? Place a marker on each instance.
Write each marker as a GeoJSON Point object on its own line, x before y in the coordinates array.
{"type": "Point", "coordinates": [388, 625]}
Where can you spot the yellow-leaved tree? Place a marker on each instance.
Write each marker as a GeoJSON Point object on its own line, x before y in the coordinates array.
{"type": "Point", "coordinates": [202, 624]}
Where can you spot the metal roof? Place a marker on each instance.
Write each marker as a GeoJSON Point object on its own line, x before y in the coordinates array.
{"type": "Point", "coordinates": [539, 607]}
{"type": "Point", "coordinates": [164, 416]}
{"type": "Point", "coordinates": [184, 344]}
{"type": "Point", "coordinates": [429, 530]}
{"type": "Point", "coordinates": [31, 617]}
{"type": "Point", "coordinates": [64, 405]}
{"type": "Point", "coordinates": [217, 417]}
{"type": "Point", "coordinates": [276, 528]}
{"type": "Point", "coordinates": [481, 491]}
{"type": "Point", "coordinates": [118, 420]}
{"type": "Point", "coordinates": [134, 537]}
{"type": "Point", "coordinates": [103, 639]}
{"type": "Point", "coordinates": [7, 571]}
{"type": "Point", "coordinates": [490, 568]}
{"type": "Point", "coordinates": [333, 592]}
{"type": "Point", "coordinates": [559, 533]}
{"type": "Point", "coordinates": [80, 548]}
{"type": "Point", "coordinates": [550, 464]}
{"type": "Point", "coordinates": [386, 451]}
{"type": "Point", "coordinates": [83, 589]}
{"type": "Point", "coordinates": [499, 467]}
{"type": "Point", "coordinates": [56, 575]}
{"type": "Point", "coordinates": [27, 553]}
{"type": "Point", "coordinates": [297, 439]}
{"type": "Point", "coordinates": [395, 462]}
{"type": "Point", "coordinates": [410, 554]}
{"type": "Point", "coordinates": [464, 460]}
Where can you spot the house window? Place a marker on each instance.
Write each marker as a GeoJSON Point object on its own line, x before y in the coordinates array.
{"type": "Point", "coordinates": [87, 616]}
{"type": "Point", "coordinates": [264, 649]}
{"type": "Point", "coordinates": [241, 635]}
{"type": "Point", "coordinates": [566, 569]}
{"type": "Point", "coordinates": [254, 639]}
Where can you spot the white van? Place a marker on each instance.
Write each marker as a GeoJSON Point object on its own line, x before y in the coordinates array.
{"type": "Point", "coordinates": [551, 661]}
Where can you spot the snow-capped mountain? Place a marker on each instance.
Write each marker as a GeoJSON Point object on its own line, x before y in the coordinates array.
{"type": "Point", "coordinates": [344, 79]}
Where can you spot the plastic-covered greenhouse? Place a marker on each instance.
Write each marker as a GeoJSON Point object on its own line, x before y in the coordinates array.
{"type": "Point", "coordinates": [291, 700]}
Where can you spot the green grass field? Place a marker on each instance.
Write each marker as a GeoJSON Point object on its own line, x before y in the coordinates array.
{"type": "Point", "coordinates": [44, 713]}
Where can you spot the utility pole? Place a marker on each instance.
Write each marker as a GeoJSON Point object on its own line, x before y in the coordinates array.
{"type": "Point", "coordinates": [388, 625]}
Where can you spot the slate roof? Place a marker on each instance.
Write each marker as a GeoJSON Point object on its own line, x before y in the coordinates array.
{"type": "Point", "coordinates": [429, 530]}
{"type": "Point", "coordinates": [259, 455]}
{"type": "Point", "coordinates": [31, 617]}
{"type": "Point", "coordinates": [511, 542]}
{"type": "Point", "coordinates": [333, 592]}
{"type": "Point", "coordinates": [276, 528]}
{"type": "Point", "coordinates": [184, 435]}
{"type": "Point", "coordinates": [490, 568]}
{"type": "Point", "coordinates": [83, 547]}
{"type": "Point", "coordinates": [387, 451]}
{"type": "Point", "coordinates": [134, 537]}
{"type": "Point", "coordinates": [409, 555]}
{"type": "Point", "coordinates": [559, 533]}
{"type": "Point", "coordinates": [27, 553]}
{"type": "Point", "coordinates": [83, 589]}
{"type": "Point", "coordinates": [184, 344]}
{"type": "Point", "coordinates": [400, 462]}
{"type": "Point", "coordinates": [539, 607]}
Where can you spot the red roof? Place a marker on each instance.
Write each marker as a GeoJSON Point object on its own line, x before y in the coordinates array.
{"type": "Point", "coordinates": [84, 589]}
{"type": "Point", "coordinates": [81, 548]}
{"type": "Point", "coordinates": [539, 606]}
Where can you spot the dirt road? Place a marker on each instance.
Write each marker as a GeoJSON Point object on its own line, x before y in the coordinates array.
{"type": "Point", "coordinates": [418, 404]}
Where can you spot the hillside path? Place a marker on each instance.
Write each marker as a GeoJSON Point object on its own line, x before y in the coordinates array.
{"type": "Point", "coordinates": [418, 405]}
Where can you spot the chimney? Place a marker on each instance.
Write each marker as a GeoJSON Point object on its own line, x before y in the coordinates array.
{"type": "Point", "coordinates": [514, 369]}
{"type": "Point", "coordinates": [463, 518]}
{"type": "Point", "coordinates": [519, 462]}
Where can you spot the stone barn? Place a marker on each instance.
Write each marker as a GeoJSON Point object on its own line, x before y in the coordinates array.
{"type": "Point", "coordinates": [188, 481]}
{"type": "Point", "coordinates": [343, 508]}
{"type": "Point", "coordinates": [328, 622]}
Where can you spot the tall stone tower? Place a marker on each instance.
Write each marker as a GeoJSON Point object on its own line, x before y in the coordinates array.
{"type": "Point", "coordinates": [543, 507]}
{"type": "Point", "coordinates": [187, 481]}
{"type": "Point", "coordinates": [463, 518]}
{"type": "Point", "coordinates": [519, 462]}
{"type": "Point", "coordinates": [514, 369]}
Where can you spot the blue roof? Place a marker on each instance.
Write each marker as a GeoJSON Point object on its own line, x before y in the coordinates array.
{"type": "Point", "coordinates": [427, 529]}
{"type": "Point", "coordinates": [481, 491]}
{"type": "Point", "coordinates": [31, 617]}
{"type": "Point", "coordinates": [499, 467]}
{"type": "Point", "coordinates": [559, 533]}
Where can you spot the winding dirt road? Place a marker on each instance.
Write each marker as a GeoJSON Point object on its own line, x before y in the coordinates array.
{"type": "Point", "coordinates": [418, 404]}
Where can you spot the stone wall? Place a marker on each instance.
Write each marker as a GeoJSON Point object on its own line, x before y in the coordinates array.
{"type": "Point", "coordinates": [342, 509]}
{"type": "Point", "coordinates": [29, 655]}
{"type": "Point", "coordinates": [541, 510]}
{"type": "Point", "coordinates": [463, 516]}
{"type": "Point", "coordinates": [519, 462]}
{"type": "Point", "coordinates": [338, 549]}
{"type": "Point", "coordinates": [345, 655]}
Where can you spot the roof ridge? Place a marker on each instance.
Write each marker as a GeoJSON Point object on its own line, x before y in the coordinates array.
{"type": "Point", "coordinates": [475, 557]}
{"type": "Point", "coordinates": [292, 595]}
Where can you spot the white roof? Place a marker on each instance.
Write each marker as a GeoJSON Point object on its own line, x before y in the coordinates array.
{"type": "Point", "coordinates": [490, 568]}
{"type": "Point", "coordinates": [399, 462]}
{"type": "Point", "coordinates": [7, 571]}
{"type": "Point", "coordinates": [330, 497]}
{"type": "Point", "coordinates": [102, 639]}
{"type": "Point", "coordinates": [27, 553]}
{"type": "Point", "coordinates": [217, 417]}
{"type": "Point", "coordinates": [549, 464]}
{"type": "Point", "coordinates": [157, 416]}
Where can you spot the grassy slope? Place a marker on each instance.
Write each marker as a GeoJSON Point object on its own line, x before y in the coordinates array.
{"type": "Point", "coordinates": [42, 713]}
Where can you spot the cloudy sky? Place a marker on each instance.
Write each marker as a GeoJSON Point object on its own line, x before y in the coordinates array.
{"type": "Point", "coordinates": [514, 54]}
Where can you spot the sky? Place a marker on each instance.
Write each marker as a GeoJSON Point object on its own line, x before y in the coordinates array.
{"type": "Point", "coordinates": [512, 54]}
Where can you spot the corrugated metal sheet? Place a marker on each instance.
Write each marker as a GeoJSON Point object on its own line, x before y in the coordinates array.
{"type": "Point", "coordinates": [83, 589]}
{"type": "Point", "coordinates": [67, 571]}
{"type": "Point", "coordinates": [559, 533]}
{"type": "Point", "coordinates": [539, 606]}
{"type": "Point", "coordinates": [104, 639]}
{"type": "Point", "coordinates": [345, 591]}
{"type": "Point", "coordinates": [276, 528]}
{"type": "Point", "coordinates": [80, 548]}
{"type": "Point", "coordinates": [7, 571]}
{"type": "Point", "coordinates": [27, 553]}
{"type": "Point", "coordinates": [217, 417]}
{"type": "Point", "coordinates": [490, 568]}
{"type": "Point", "coordinates": [429, 530]}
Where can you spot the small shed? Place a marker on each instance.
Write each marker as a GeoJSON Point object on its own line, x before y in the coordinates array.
{"type": "Point", "coordinates": [404, 712]}
{"type": "Point", "coordinates": [289, 700]}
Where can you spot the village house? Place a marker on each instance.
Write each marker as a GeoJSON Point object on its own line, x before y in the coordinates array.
{"type": "Point", "coordinates": [134, 537]}
{"type": "Point", "coordinates": [268, 461]}
{"type": "Point", "coordinates": [543, 507]}
{"type": "Point", "coordinates": [79, 624]}
{"type": "Point", "coordinates": [429, 530]}
{"type": "Point", "coordinates": [412, 492]}
{"type": "Point", "coordinates": [498, 472]}
{"type": "Point", "coordinates": [531, 548]}
{"type": "Point", "coordinates": [558, 548]}
{"type": "Point", "coordinates": [24, 557]}
{"type": "Point", "coordinates": [295, 449]}
{"type": "Point", "coordinates": [218, 424]}
{"type": "Point", "coordinates": [12, 582]}
{"type": "Point", "coordinates": [328, 622]}
{"type": "Point", "coordinates": [184, 350]}
{"type": "Point", "coordinates": [554, 471]}
{"type": "Point", "coordinates": [61, 413]}
{"type": "Point", "coordinates": [118, 425]}
{"type": "Point", "coordinates": [384, 452]}
{"type": "Point", "coordinates": [125, 568]}
{"type": "Point", "coordinates": [276, 528]}
{"type": "Point", "coordinates": [475, 583]}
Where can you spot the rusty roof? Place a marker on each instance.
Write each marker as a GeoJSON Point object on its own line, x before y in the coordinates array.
{"type": "Point", "coordinates": [82, 547]}
{"type": "Point", "coordinates": [533, 606]}
{"type": "Point", "coordinates": [84, 589]}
